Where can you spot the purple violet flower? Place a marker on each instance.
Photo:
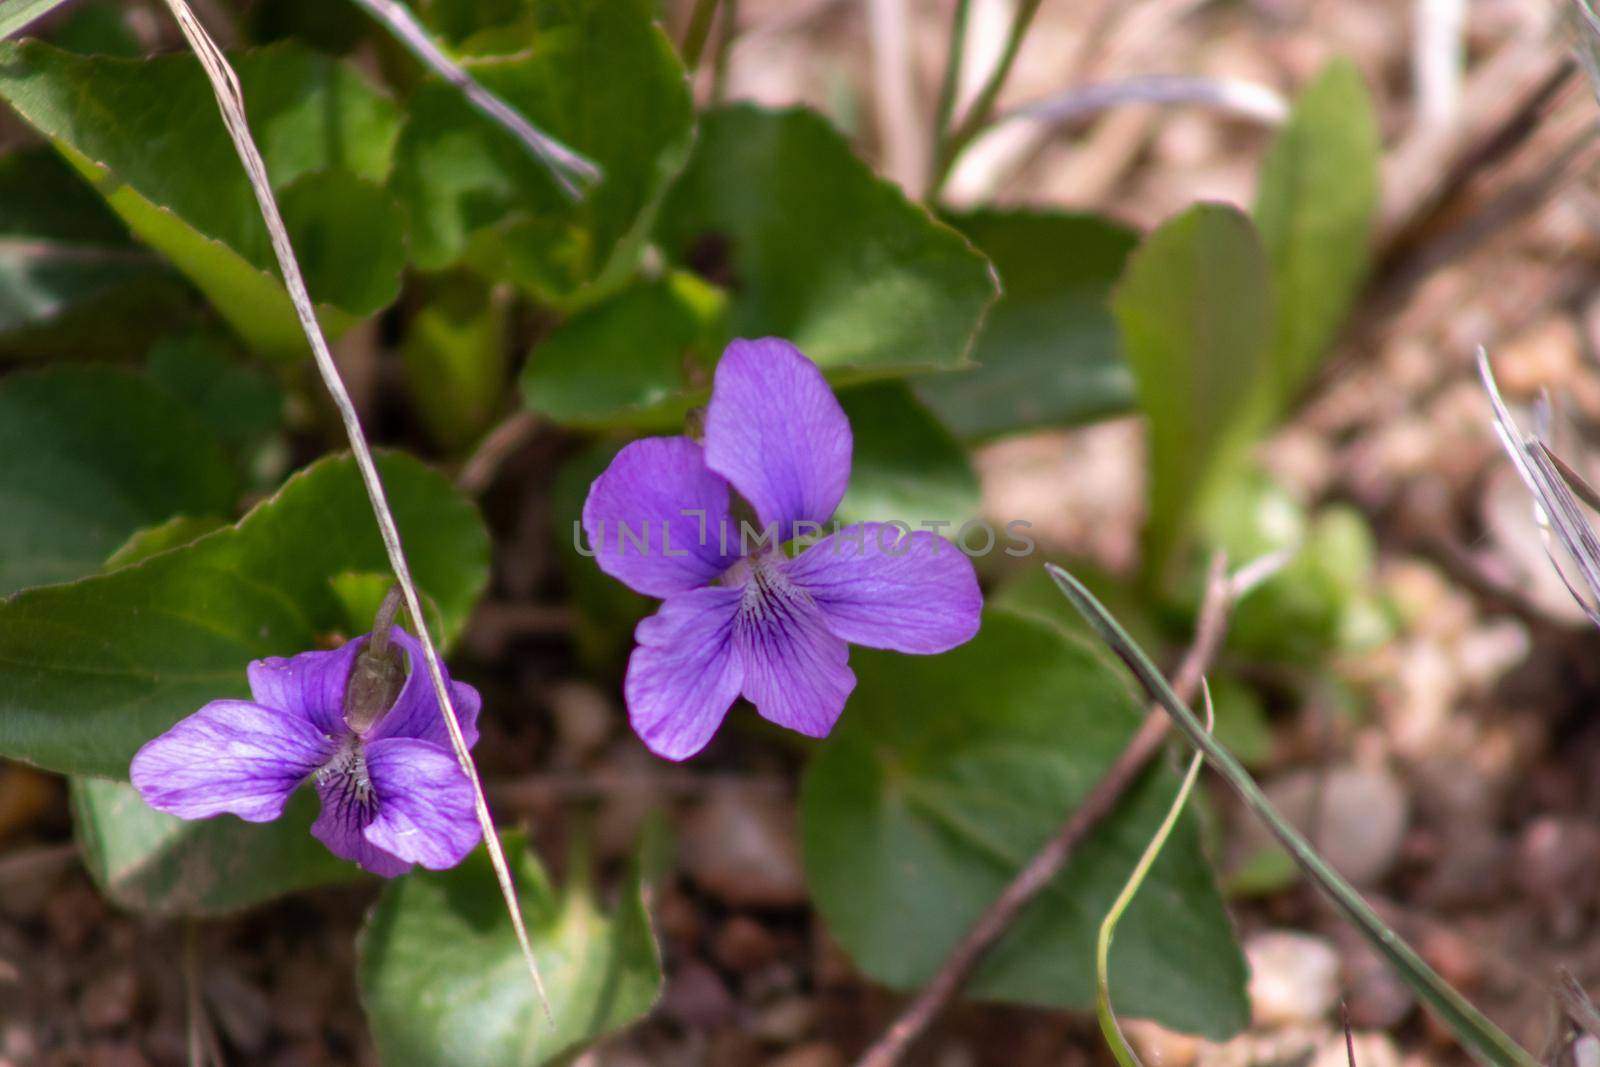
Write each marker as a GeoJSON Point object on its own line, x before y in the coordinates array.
{"type": "Point", "coordinates": [392, 793]}
{"type": "Point", "coordinates": [773, 628]}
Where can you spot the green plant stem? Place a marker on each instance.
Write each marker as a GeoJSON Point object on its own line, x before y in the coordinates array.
{"type": "Point", "coordinates": [954, 56]}
{"type": "Point", "coordinates": [697, 33]}
{"type": "Point", "coordinates": [1469, 1025]}
{"type": "Point", "coordinates": [1109, 1026]}
{"type": "Point", "coordinates": [982, 106]}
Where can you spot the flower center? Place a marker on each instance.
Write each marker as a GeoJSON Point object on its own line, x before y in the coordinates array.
{"type": "Point", "coordinates": [769, 595]}
{"type": "Point", "coordinates": [346, 772]}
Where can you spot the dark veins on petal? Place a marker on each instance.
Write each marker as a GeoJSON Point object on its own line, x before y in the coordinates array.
{"type": "Point", "coordinates": [351, 797]}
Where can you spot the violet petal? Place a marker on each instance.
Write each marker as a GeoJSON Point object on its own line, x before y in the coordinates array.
{"type": "Point", "coordinates": [879, 586]}
{"type": "Point", "coordinates": [796, 670]}
{"type": "Point", "coordinates": [230, 756]}
{"type": "Point", "coordinates": [310, 685]}
{"type": "Point", "coordinates": [683, 676]}
{"type": "Point", "coordinates": [425, 811]}
{"type": "Point", "coordinates": [349, 805]}
{"type": "Point", "coordinates": [776, 432]}
{"type": "Point", "coordinates": [657, 518]}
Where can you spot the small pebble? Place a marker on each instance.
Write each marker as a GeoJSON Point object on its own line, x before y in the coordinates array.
{"type": "Point", "coordinates": [1360, 816]}
{"type": "Point", "coordinates": [109, 1000]}
{"type": "Point", "coordinates": [816, 1054]}
{"type": "Point", "coordinates": [784, 1022]}
{"type": "Point", "coordinates": [1159, 1047]}
{"type": "Point", "coordinates": [1294, 978]}
{"type": "Point", "coordinates": [584, 719]}
{"type": "Point", "coordinates": [743, 945]}
{"type": "Point", "coordinates": [743, 850]}
{"type": "Point", "coordinates": [697, 998]}
{"type": "Point", "coordinates": [1371, 1050]}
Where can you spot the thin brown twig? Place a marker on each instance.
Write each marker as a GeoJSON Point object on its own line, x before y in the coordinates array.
{"type": "Point", "coordinates": [1050, 860]}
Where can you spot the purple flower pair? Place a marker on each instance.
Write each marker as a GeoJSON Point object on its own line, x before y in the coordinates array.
{"type": "Point", "coordinates": [393, 794]}
{"type": "Point", "coordinates": [756, 621]}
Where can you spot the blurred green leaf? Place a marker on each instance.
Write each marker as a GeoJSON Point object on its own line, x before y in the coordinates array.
{"type": "Point", "coordinates": [597, 75]}
{"type": "Point", "coordinates": [99, 27]}
{"type": "Point", "coordinates": [641, 358]}
{"type": "Point", "coordinates": [906, 466]}
{"type": "Point", "coordinates": [70, 276]}
{"type": "Point", "coordinates": [444, 981]}
{"type": "Point", "coordinates": [16, 15]}
{"type": "Point", "coordinates": [91, 670]}
{"type": "Point", "coordinates": [94, 454]}
{"type": "Point", "coordinates": [147, 135]}
{"type": "Point", "coordinates": [1047, 353]}
{"type": "Point", "coordinates": [913, 824]}
{"type": "Point", "coordinates": [814, 247]}
{"type": "Point", "coordinates": [1302, 612]}
{"type": "Point", "coordinates": [1316, 207]}
{"type": "Point", "coordinates": [455, 358]}
{"type": "Point", "coordinates": [1195, 311]}
{"type": "Point", "coordinates": [160, 864]}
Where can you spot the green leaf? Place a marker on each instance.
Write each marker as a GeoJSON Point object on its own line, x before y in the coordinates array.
{"type": "Point", "coordinates": [914, 822]}
{"type": "Point", "coordinates": [70, 276]}
{"type": "Point", "coordinates": [906, 466]}
{"type": "Point", "coordinates": [642, 358]}
{"type": "Point", "coordinates": [599, 76]}
{"type": "Point", "coordinates": [1195, 311]}
{"type": "Point", "coordinates": [814, 247]}
{"type": "Point", "coordinates": [91, 670]}
{"type": "Point", "coordinates": [1316, 207]}
{"type": "Point", "coordinates": [154, 540]}
{"type": "Point", "coordinates": [148, 861]}
{"type": "Point", "coordinates": [243, 406]}
{"type": "Point", "coordinates": [147, 135]}
{"type": "Point", "coordinates": [444, 981]}
{"type": "Point", "coordinates": [1047, 354]}
{"type": "Point", "coordinates": [455, 358]}
{"type": "Point", "coordinates": [94, 454]}
{"type": "Point", "coordinates": [16, 15]}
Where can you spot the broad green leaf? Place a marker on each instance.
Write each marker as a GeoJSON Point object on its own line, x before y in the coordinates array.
{"type": "Point", "coordinates": [948, 773]}
{"type": "Point", "coordinates": [243, 405]}
{"type": "Point", "coordinates": [1195, 312]}
{"type": "Point", "coordinates": [599, 76]}
{"type": "Point", "coordinates": [455, 358]}
{"type": "Point", "coordinates": [1047, 352]}
{"type": "Point", "coordinates": [641, 358]}
{"type": "Point", "coordinates": [148, 861]}
{"type": "Point", "coordinates": [816, 248]}
{"type": "Point", "coordinates": [92, 455]}
{"type": "Point", "coordinates": [906, 466]}
{"type": "Point", "coordinates": [71, 279]}
{"type": "Point", "coordinates": [154, 540]}
{"type": "Point", "coordinates": [147, 135]}
{"type": "Point", "coordinates": [1316, 206]}
{"type": "Point", "coordinates": [91, 670]}
{"type": "Point", "coordinates": [444, 981]}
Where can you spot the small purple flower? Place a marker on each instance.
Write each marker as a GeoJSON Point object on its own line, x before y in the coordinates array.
{"type": "Point", "coordinates": [392, 793]}
{"type": "Point", "coordinates": [763, 625]}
